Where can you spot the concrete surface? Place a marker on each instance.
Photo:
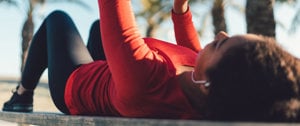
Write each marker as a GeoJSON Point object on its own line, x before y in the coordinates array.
{"type": "Point", "coordinates": [56, 119]}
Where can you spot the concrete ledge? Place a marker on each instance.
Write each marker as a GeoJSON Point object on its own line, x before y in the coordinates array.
{"type": "Point", "coordinates": [57, 119]}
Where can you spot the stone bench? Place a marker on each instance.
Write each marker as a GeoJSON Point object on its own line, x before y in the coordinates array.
{"type": "Point", "coordinates": [57, 119]}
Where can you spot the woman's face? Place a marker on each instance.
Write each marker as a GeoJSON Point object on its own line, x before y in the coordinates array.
{"type": "Point", "coordinates": [213, 51]}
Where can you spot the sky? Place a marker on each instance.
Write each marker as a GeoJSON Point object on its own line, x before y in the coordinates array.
{"type": "Point", "coordinates": [11, 22]}
{"type": "Point", "coordinates": [12, 18]}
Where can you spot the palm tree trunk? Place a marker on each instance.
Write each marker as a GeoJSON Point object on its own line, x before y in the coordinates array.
{"type": "Point", "coordinates": [218, 16]}
{"type": "Point", "coordinates": [154, 25]}
{"type": "Point", "coordinates": [27, 34]}
{"type": "Point", "coordinates": [260, 17]}
{"type": "Point", "coordinates": [151, 28]}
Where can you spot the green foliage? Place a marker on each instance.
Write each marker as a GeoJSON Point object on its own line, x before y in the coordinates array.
{"type": "Point", "coordinates": [155, 12]}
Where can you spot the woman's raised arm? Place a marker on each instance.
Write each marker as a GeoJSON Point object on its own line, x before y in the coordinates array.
{"type": "Point", "coordinates": [130, 60]}
{"type": "Point", "coordinates": [185, 32]}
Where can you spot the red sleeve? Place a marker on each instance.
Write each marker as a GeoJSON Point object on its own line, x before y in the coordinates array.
{"type": "Point", "coordinates": [131, 62]}
{"type": "Point", "coordinates": [185, 32]}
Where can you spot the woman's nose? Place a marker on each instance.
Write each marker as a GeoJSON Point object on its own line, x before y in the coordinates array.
{"type": "Point", "coordinates": [221, 35]}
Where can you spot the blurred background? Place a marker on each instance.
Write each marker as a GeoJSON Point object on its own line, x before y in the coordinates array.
{"type": "Point", "coordinates": [23, 17]}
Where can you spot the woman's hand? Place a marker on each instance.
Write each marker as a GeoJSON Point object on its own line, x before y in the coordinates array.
{"type": "Point", "coordinates": [180, 6]}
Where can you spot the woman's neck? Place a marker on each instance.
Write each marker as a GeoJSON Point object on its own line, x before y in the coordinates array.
{"type": "Point", "coordinates": [196, 94]}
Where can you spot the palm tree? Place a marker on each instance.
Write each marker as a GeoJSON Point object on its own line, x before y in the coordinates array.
{"type": "Point", "coordinates": [155, 12]}
{"type": "Point", "coordinates": [260, 17]}
{"type": "Point", "coordinates": [28, 26]}
{"type": "Point", "coordinates": [218, 16]}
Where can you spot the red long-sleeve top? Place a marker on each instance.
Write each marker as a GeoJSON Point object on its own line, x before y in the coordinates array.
{"type": "Point", "coordinates": [139, 77]}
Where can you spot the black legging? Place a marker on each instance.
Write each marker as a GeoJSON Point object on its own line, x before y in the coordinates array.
{"type": "Point", "coordinates": [94, 44]}
{"type": "Point", "coordinates": [58, 46]}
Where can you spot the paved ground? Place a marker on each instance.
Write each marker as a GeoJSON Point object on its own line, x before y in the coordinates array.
{"type": "Point", "coordinates": [54, 119]}
{"type": "Point", "coordinates": [42, 100]}
{"type": "Point", "coordinates": [5, 123]}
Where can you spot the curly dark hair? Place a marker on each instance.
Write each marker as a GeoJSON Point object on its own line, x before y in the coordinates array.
{"type": "Point", "coordinates": [256, 81]}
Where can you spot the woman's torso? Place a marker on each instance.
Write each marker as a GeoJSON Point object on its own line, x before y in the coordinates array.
{"type": "Point", "coordinates": [161, 96]}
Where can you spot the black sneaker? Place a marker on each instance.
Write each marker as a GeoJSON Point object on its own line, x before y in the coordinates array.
{"type": "Point", "coordinates": [20, 103]}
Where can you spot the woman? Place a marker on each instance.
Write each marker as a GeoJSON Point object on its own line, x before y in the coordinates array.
{"type": "Point", "coordinates": [149, 78]}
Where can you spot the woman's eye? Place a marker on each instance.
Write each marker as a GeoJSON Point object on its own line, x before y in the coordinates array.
{"type": "Point", "coordinates": [215, 43]}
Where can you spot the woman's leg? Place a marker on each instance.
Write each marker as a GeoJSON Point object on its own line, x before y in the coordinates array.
{"type": "Point", "coordinates": [58, 46]}
{"type": "Point", "coordinates": [66, 51]}
{"type": "Point", "coordinates": [94, 44]}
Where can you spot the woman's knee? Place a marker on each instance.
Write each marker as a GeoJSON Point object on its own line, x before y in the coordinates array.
{"type": "Point", "coordinates": [58, 16]}
{"type": "Point", "coordinates": [96, 25]}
